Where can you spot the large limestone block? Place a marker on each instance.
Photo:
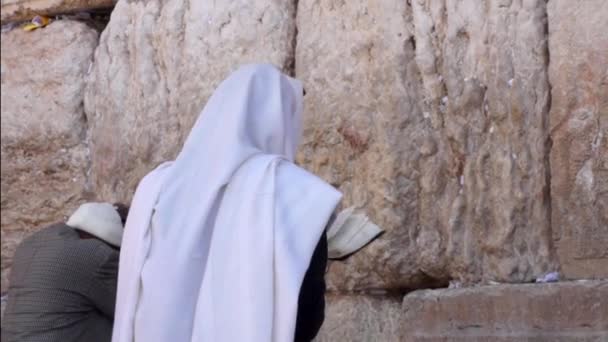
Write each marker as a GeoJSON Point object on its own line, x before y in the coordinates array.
{"type": "Point", "coordinates": [432, 117]}
{"type": "Point", "coordinates": [361, 318]}
{"type": "Point", "coordinates": [44, 158]}
{"type": "Point", "coordinates": [155, 67]}
{"type": "Point", "coordinates": [362, 125]}
{"type": "Point", "coordinates": [484, 194]}
{"type": "Point", "coordinates": [17, 10]}
{"type": "Point", "coordinates": [570, 311]}
{"type": "Point", "coordinates": [579, 128]}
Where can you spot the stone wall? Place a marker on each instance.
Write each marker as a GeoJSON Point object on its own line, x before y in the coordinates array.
{"type": "Point", "coordinates": [156, 65]}
{"type": "Point", "coordinates": [45, 157]}
{"type": "Point", "coordinates": [20, 10]}
{"type": "Point", "coordinates": [475, 132]}
{"type": "Point", "coordinates": [560, 312]}
{"type": "Point", "coordinates": [579, 130]}
{"type": "Point", "coordinates": [437, 129]}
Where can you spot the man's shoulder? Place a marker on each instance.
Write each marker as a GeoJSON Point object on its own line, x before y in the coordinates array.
{"type": "Point", "coordinates": [56, 231]}
{"type": "Point", "coordinates": [298, 179]}
{"type": "Point", "coordinates": [60, 234]}
{"type": "Point", "coordinates": [94, 247]}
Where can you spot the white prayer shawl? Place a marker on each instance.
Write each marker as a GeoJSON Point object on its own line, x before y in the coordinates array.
{"type": "Point", "coordinates": [217, 242]}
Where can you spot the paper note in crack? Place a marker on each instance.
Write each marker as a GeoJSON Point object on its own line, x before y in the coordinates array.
{"type": "Point", "coordinates": [349, 233]}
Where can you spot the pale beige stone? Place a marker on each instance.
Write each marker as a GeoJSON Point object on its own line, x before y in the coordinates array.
{"type": "Point", "coordinates": [155, 67]}
{"type": "Point", "coordinates": [568, 311]}
{"type": "Point", "coordinates": [579, 128]}
{"type": "Point", "coordinates": [18, 10]}
{"type": "Point", "coordinates": [361, 127]}
{"type": "Point", "coordinates": [432, 117]}
{"type": "Point", "coordinates": [559, 312]}
{"type": "Point", "coordinates": [361, 319]}
{"type": "Point", "coordinates": [484, 194]}
{"type": "Point", "coordinates": [44, 158]}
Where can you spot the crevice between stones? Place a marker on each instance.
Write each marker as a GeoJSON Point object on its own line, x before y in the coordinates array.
{"type": "Point", "coordinates": [291, 64]}
{"type": "Point", "coordinates": [547, 130]}
{"type": "Point", "coordinates": [425, 282]}
{"type": "Point", "coordinates": [391, 292]}
{"type": "Point", "coordinates": [86, 139]}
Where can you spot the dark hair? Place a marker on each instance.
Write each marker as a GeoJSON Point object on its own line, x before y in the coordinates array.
{"type": "Point", "coordinates": [123, 211]}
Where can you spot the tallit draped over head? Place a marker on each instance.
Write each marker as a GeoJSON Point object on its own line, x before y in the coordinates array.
{"type": "Point", "coordinates": [218, 241]}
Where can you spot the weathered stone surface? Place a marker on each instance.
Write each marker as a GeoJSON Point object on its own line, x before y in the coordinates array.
{"type": "Point", "coordinates": [17, 10]}
{"type": "Point", "coordinates": [155, 67]}
{"type": "Point", "coordinates": [571, 311]}
{"type": "Point", "coordinates": [484, 193]}
{"type": "Point", "coordinates": [362, 125]}
{"type": "Point", "coordinates": [44, 159]}
{"type": "Point", "coordinates": [579, 128]}
{"type": "Point", "coordinates": [361, 318]}
{"type": "Point", "coordinates": [426, 117]}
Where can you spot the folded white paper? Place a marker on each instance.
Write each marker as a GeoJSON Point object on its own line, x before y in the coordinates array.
{"type": "Point", "coordinates": [349, 232]}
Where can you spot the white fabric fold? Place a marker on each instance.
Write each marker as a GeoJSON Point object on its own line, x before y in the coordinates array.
{"type": "Point", "coordinates": [100, 220]}
{"type": "Point", "coordinates": [217, 242]}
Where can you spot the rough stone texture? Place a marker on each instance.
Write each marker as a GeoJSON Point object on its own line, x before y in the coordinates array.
{"type": "Point", "coordinates": [155, 67]}
{"type": "Point", "coordinates": [571, 311]}
{"type": "Point", "coordinates": [44, 159]}
{"type": "Point", "coordinates": [568, 311]}
{"type": "Point", "coordinates": [432, 116]}
{"type": "Point", "coordinates": [361, 125]}
{"type": "Point", "coordinates": [484, 193]}
{"type": "Point", "coordinates": [17, 10]}
{"type": "Point", "coordinates": [361, 318]}
{"type": "Point", "coordinates": [579, 128]}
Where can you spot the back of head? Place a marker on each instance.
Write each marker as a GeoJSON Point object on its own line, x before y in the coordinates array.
{"type": "Point", "coordinates": [256, 110]}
